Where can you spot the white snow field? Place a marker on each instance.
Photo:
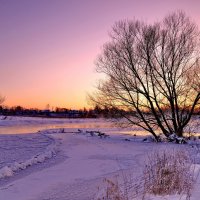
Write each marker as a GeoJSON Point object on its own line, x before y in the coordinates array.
{"type": "Point", "coordinates": [66, 163]}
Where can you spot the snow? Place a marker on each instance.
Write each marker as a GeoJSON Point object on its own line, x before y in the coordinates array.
{"type": "Point", "coordinates": [86, 160]}
{"type": "Point", "coordinates": [8, 171]}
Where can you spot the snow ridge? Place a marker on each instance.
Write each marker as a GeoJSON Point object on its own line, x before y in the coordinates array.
{"type": "Point", "coordinates": [49, 152]}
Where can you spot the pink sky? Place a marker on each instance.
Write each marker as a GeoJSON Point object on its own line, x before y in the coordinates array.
{"type": "Point", "coordinates": [48, 47]}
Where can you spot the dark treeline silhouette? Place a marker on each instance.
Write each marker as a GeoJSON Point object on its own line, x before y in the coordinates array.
{"type": "Point", "coordinates": [95, 112]}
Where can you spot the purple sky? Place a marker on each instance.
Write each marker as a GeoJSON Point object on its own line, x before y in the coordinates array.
{"type": "Point", "coordinates": [48, 47]}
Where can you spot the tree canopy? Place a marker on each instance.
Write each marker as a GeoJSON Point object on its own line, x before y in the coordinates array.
{"type": "Point", "coordinates": [152, 72]}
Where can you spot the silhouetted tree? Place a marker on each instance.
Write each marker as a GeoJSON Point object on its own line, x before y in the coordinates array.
{"type": "Point", "coordinates": [153, 72]}
{"type": "Point", "coordinates": [2, 99]}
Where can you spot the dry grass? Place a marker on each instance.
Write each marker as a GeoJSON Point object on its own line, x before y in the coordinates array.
{"type": "Point", "coordinates": [165, 173]}
{"type": "Point", "coordinates": [169, 172]}
{"type": "Point", "coordinates": [112, 191]}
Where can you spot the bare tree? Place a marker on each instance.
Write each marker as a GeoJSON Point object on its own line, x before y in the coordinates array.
{"type": "Point", "coordinates": [152, 72]}
{"type": "Point", "coordinates": [2, 99]}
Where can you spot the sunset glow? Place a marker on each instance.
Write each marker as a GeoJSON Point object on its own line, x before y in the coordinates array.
{"type": "Point", "coordinates": [48, 47]}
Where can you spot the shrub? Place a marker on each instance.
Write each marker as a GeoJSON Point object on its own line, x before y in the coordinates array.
{"type": "Point", "coordinates": [168, 172]}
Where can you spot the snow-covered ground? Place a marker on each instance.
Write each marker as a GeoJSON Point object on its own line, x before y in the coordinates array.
{"type": "Point", "coordinates": [67, 164]}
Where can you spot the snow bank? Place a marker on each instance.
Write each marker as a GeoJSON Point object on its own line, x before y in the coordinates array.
{"type": "Point", "coordinates": [49, 152]}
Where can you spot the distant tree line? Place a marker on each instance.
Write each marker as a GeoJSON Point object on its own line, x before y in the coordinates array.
{"type": "Point", "coordinates": [58, 112]}
{"type": "Point", "coordinates": [95, 112]}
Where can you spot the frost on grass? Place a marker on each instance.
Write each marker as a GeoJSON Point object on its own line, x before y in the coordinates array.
{"type": "Point", "coordinates": [111, 191]}
{"type": "Point", "coordinates": [166, 173]}
{"type": "Point", "coordinates": [169, 172]}
{"type": "Point", "coordinates": [124, 186]}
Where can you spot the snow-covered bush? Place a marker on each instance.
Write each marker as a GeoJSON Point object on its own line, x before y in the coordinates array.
{"type": "Point", "coordinates": [174, 138]}
{"type": "Point", "coordinates": [168, 172]}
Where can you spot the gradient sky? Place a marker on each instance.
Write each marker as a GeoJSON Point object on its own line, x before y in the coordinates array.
{"type": "Point", "coordinates": [48, 47]}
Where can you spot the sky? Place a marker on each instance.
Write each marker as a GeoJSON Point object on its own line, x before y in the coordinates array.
{"type": "Point", "coordinates": [48, 47]}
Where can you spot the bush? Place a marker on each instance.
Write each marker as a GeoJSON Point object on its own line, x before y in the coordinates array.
{"type": "Point", "coordinates": [168, 172]}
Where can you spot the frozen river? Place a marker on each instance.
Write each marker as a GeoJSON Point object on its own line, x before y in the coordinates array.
{"type": "Point", "coordinates": [32, 128]}
{"type": "Point", "coordinates": [21, 125]}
